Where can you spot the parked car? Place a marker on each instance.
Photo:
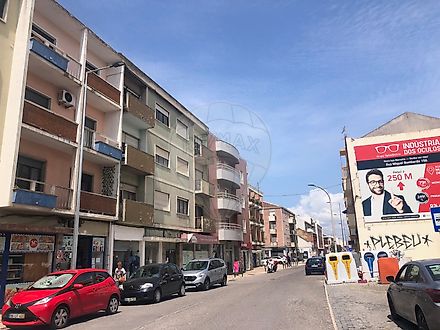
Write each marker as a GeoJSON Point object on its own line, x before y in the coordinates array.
{"type": "Point", "coordinates": [203, 273]}
{"type": "Point", "coordinates": [60, 296]}
{"type": "Point", "coordinates": [315, 265]}
{"type": "Point", "coordinates": [152, 283]}
{"type": "Point", "coordinates": [279, 259]}
{"type": "Point", "coordinates": [415, 293]}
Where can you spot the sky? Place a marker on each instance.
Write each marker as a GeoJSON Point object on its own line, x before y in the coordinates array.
{"type": "Point", "coordinates": [282, 79]}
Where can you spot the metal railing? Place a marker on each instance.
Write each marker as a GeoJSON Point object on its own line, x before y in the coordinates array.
{"type": "Point", "coordinates": [230, 226]}
{"type": "Point", "coordinates": [228, 195]}
{"type": "Point", "coordinates": [64, 195]}
{"type": "Point", "coordinates": [89, 138]}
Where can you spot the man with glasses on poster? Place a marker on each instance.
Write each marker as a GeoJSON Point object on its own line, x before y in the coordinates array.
{"type": "Point", "coordinates": [382, 202]}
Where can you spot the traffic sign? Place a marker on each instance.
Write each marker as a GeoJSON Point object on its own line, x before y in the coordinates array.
{"type": "Point", "coordinates": [435, 214]}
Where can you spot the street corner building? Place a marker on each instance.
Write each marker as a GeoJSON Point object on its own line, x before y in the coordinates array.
{"type": "Point", "coordinates": [391, 180]}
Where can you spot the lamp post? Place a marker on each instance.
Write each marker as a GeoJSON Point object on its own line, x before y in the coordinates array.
{"type": "Point", "coordinates": [331, 212]}
{"type": "Point", "coordinates": [79, 163]}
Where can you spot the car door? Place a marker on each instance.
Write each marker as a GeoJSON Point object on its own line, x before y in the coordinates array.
{"type": "Point", "coordinates": [103, 291]}
{"type": "Point", "coordinates": [217, 271]}
{"type": "Point", "coordinates": [175, 278]}
{"type": "Point", "coordinates": [165, 283]}
{"type": "Point", "coordinates": [212, 271]}
{"type": "Point", "coordinates": [396, 290]}
{"type": "Point", "coordinates": [84, 299]}
{"type": "Point", "coordinates": [410, 291]}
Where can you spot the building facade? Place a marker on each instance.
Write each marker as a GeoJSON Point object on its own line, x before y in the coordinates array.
{"type": "Point", "coordinates": [393, 180]}
{"type": "Point", "coordinates": [256, 221]}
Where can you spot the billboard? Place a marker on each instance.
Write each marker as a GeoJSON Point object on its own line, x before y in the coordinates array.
{"type": "Point", "coordinates": [399, 180]}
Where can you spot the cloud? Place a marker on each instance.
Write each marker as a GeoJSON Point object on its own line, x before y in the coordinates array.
{"type": "Point", "coordinates": [315, 206]}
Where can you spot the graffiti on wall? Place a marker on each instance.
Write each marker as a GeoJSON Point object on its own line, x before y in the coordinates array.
{"type": "Point", "coordinates": [397, 241]}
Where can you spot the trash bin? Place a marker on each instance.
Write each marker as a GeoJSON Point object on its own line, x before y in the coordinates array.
{"type": "Point", "coordinates": [387, 266]}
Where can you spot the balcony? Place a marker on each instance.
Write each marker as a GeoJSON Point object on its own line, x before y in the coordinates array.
{"type": "Point", "coordinates": [138, 109]}
{"type": "Point", "coordinates": [274, 244]}
{"type": "Point", "coordinates": [108, 150]}
{"type": "Point", "coordinates": [42, 194]}
{"type": "Point", "coordinates": [203, 155]}
{"type": "Point", "coordinates": [205, 224]}
{"type": "Point", "coordinates": [272, 231]}
{"type": "Point", "coordinates": [137, 213]}
{"type": "Point", "coordinates": [229, 174]}
{"type": "Point", "coordinates": [103, 87]}
{"type": "Point", "coordinates": [203, 187]}
{"type": "Point", "coordinates": [47, 121]}
{"type": "Point", "coordinates": [228, 203]}
{"type": "Point", "coordinates": [230, 232]}
{"type": "Point", "coordinates": [227, 151]}
{"type": "Point", "coordinates": [137, 160]}
{"type": "Point", "coordinates": [47, 60]}
{"type": "Point", "coordinates": [96, 203]}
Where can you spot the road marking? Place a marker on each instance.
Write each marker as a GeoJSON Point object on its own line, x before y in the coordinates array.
{"type": "Point", "coordinates": [332, 316]}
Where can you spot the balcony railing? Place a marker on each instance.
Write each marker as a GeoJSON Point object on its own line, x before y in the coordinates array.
{"type": "Point", "coordinates": [55, 55]}
{"type": "Point", "coordinates": [230, 232]}
{"type": "Point", "coordinates": [205, 224]}
{"type": "Point", "coordinates": [139, 109]}
{"type": "Point", "coordinates": [228, 173]}
{"type": "Point", "coordinates": [32, 192]}
{"type": "Point", "coordinates": [137, 213]}
{"type": "Point", "coordinates": [103, 87]}
{"type": "Point", "coordinates": [202, 153]}
{"type": "Point", "coordinates": [138, 160]}
{"type": "Point", "coordinates": [229, 202]}
{"type": "Point", "coordinates": [101, 144]}
{"type": "Point", "coordinates": [96, 203]}
{"type": "Point", "coordinates": [225, 149]}
{"type": "Point", "coordinates": [41, 118]}
{"type": "Point", "coordinates": [204, 187]}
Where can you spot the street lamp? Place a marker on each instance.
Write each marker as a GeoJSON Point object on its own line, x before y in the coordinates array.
{"type": "Point", "coordinates": [79, 162]}
{"type": "Point", "coordinates": [331, 211]}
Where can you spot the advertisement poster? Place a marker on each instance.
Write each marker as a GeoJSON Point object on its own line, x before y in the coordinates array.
{"type": "Point", "coordinates": [399, 180]}
{"type": "Point", "coordinates": [32, 243]}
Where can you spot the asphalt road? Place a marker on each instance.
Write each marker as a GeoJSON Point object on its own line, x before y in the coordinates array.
{"type": "Point", "coordinates": [284, 300]}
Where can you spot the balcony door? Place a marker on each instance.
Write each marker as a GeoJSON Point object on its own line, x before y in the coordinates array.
{"type": "Point", "coordinates": [30, 174]}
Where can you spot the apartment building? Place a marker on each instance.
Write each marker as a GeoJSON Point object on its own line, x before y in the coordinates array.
{"type": "Point", "coordinates": [397, 164]}
{"type": "Point", "coordinates": [256, 221]}
{"type": "Point", "coordinates": [279, 226]}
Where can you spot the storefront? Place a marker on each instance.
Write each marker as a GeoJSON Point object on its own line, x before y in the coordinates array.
{"type": "Point", "coordinates": [198, 246]}
{"type": "Point", "coordinates": [128, 247]}
{"type": "Point", "coordinates": [24, 259]}
{"type": "Point", "coordinates": [163, 245]}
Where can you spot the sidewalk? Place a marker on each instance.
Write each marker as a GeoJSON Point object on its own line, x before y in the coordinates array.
{"type": "Point", "coordinates": [360, 306]}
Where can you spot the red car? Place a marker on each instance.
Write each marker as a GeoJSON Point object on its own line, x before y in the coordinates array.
{"type": "Point", "coordinates": [56, 298]}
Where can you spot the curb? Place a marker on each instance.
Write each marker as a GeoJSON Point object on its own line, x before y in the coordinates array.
{"type": "Point", "coordinates": [332, 316]}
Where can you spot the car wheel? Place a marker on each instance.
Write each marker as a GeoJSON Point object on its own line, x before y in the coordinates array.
{"type": "Point", "coordinates": [182, 290]}
{"type": "Point", "coordinates": [393, 312]}
{"type": "Point", "coordinates": [113, 305]}
{"type": "Point", "coordinates": [157, 296]}
{"type": "Point", "coordinates": [307, 273]}
{"type": "Point", "coordinates": [224, 281]}
{"type": "Point", "coordinates": [60, 317]}
{"type": "Point", "coordinates": [421, 320]}
{"type": "Point", "coordinates": [206, 284]}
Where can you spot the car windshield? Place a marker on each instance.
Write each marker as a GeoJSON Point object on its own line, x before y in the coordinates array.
{"type": "Point", "coordinates": [314, 261]}
{"type": "Point", "coordinates": [434, 271]}
{"type": "Point", "coordinates": [146, 271]}
{"type": "Point", "coordinates": [53, 281]}
{"type": "Point", "coordinates": [196, 265]}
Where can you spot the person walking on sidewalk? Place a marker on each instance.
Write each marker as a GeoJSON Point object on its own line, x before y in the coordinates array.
{"type": "Point", "coordinates": [236, 267]}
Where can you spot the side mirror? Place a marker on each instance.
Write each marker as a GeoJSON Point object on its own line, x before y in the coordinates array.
{"type": "Point", "coordinates": [391, 279]}
{"type": "Point", "coordinates": [77, 286]}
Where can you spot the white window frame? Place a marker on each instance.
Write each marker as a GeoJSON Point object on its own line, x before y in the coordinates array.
{"type": "Point", "coordinates": [4, 14]}
{"type": "Point", "coordinates": [167, 209]}
{"type": "Point", "coordinates": [186, 136]}
{"type": "Point", "coordinates": [177, 205]}
{"type": "Point", "coordinates": [177, 166]}
{"type": "Point", "coordinates": [164, 113]}
{"type": "Point", "coordinates": [155, 154]}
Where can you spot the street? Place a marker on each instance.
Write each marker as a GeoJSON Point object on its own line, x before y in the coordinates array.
{"type": "Point", "coordinates": [283, 300]}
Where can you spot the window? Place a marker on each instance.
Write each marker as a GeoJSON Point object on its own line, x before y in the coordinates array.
{"type": "Point", "coordinates": [182, 206]}
{"type": "Point", "coordinates": [181, 129]}
{"type": "Point", "coordinates": [90, 66]}
{"type": "Point", "coordinates": [182, 166]}
{"type": "Point", "coordinates": [101, 276]}
{"type": "Point", "coordinates": [89, 132]}
{"type": "Point", "coordinates": [434, 271]}
{"type": "Point", "coordinates": [241, 177]}
{"type": "Point", "coordinates": [3, 9]}
{"type": "Point", "coordinates": [84, 279]}
{"type": "Point", "coordinates": [37, 98]}
{"type": "Point", "coordinates": [30, 173]}
{"type": "Point", "coordinates": [162, 157]}
{"type": "Point", "coordinates": [197, 146]}
{"type": "Point", "coordinates": [273, 238]}
{"type": "Point", "coordinates": [40, 33]}
{"type": "Point", "coordinates": [413, 273]}
{"type": "Point", "coordinates": [87, 182]}
{"type": "Point", "coordinates": [162, 115]}
{"type": "Point", "coordinates": [131, 140]}
{"type": "Point", "coordinates": [161, 201]}
{"type": "Point", "coordinates": [128, 191]}
{"type": "Point", "coordinates": [401, 276]}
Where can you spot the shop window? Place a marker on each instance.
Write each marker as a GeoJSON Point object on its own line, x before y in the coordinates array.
{"type": "Point", "coordinates": [30, 174]}
{"type": "Point", "coordinates": [37, 98]}
{"type": "Point", "coordinates": [87, 182]}
{"type": "Point", "coordinates": [85, 279]}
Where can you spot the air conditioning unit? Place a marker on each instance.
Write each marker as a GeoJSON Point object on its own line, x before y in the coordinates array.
{"type": "Point", "coordinates": [66, 98]}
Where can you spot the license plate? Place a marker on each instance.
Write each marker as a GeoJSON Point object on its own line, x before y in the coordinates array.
{"type": "Point", "coordinates": [314, 266]}
{"type": "Point", "coordinates": [16, 316]}
{"type": "Point", "coordinates": [130, 299]}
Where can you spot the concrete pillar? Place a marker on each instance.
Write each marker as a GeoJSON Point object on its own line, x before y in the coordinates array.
{"type": "Point", "coordinates": [142, 253]}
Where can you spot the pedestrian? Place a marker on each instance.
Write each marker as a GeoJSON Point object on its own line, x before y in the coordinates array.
{"type": "Point", "coordinates": [284, 261]}
{"type": "Point", "coordinates": [236, 267]}
{"type": "Point", "coordinates": [120, 274]}
{"type": "Point", "coordinates": [241, 265]}
{"type": "Point", "coordinates": [289, 261]}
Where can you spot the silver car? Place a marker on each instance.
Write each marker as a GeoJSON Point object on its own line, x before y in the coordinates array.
{"type": "Point", "coordinates": [415, 293]}
{"type": "Point", "coordinates": [203, 273]}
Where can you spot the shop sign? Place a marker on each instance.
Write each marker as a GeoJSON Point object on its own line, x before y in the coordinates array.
{"type": "Point", "coordinates": [98, 244]}
{"type": "Point", "coordinates": [32, 243]}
